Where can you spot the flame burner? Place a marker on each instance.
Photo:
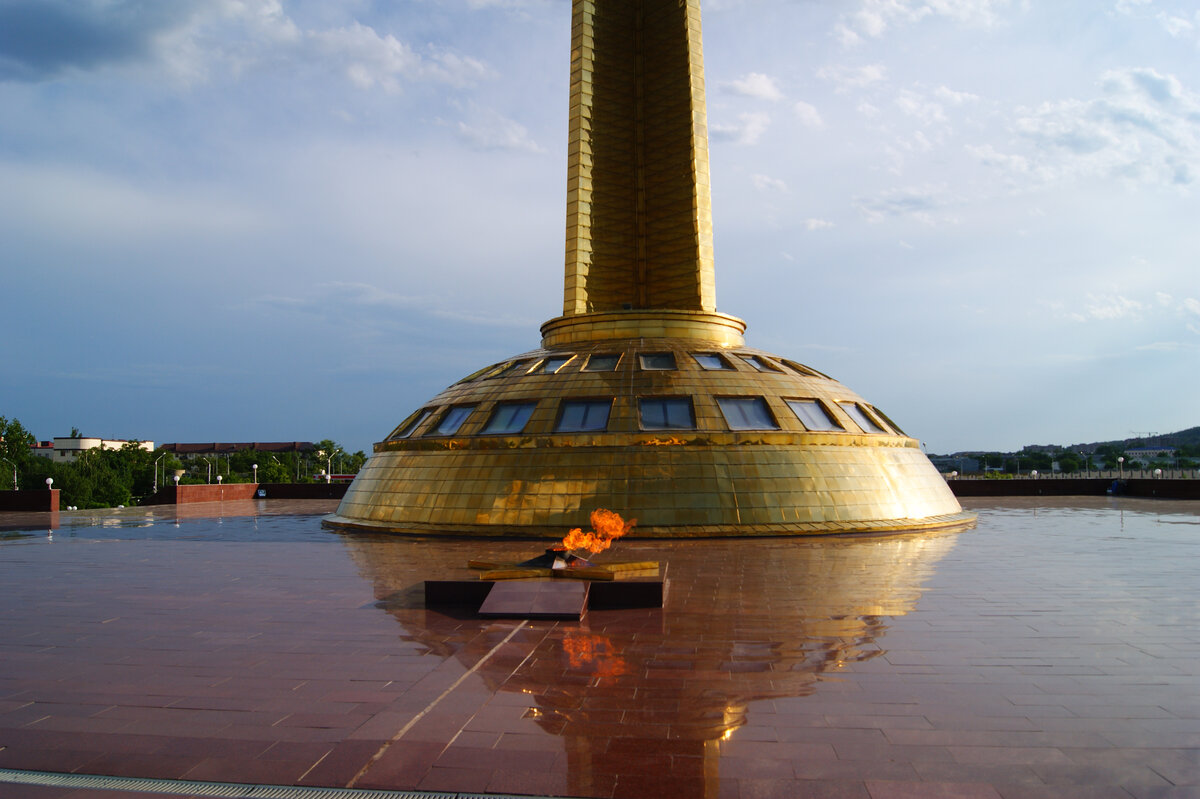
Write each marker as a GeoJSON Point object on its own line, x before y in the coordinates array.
{"type": "Point", "coordinates": [556, 558]}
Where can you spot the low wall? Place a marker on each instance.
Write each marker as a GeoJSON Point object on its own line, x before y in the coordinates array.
{"type": "Point", "coordinates": [38, 500]}
{"type": "Point", "coordinates": [1076, 487]}
{"type": "Point", "coordinates": [305, 490]}
{"type": "Point", "coordinates": [187, 494]}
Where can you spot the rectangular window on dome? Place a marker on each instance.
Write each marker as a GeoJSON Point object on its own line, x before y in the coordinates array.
{"type": "Point", "coordinates": [800, 368]}
{"type": "Point", "coordinates": [747, 413]}
{"type": "Point", "coordinates": [861, 417]}
{"type": "Point", "coordinates": [602, 362]}
{"type": "Point", "coordinates": [551, 365]}
{"type": "Point", "coordinates": [451, 420]}
{"type": "Point", "coordinates": [409, 425]}
{"type": "Point", "coordinates": [761, 364]}
{"type": "Point", "coordinates": [506, 368]}
{"type": "Point", "coordinates": [508, 418]}
{"type": "Point", "coordinates": [813, 415]}
{"type": "Point", "coordinates": [666, 413]}
{"type": "Point", "coordinates": [883, 417]}
{"type": "Point", "coordinates": [583, 416]}
{"type": "Point", "coordinates": [657, 361]}
{"type": "Point", "coordinates": [712, 361]}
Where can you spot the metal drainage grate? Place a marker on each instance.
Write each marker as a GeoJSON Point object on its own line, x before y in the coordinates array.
{"type": "Point", "coordinates": [219, 789]}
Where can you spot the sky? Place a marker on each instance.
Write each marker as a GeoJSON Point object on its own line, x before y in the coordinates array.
{"type": "Point", "coordinates": [264, 220]}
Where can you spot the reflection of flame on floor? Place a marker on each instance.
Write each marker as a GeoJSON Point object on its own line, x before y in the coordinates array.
{"type": "Point", "coordinates": [607, 526]}
{"type": "Point", "coordinates": [595, 653]}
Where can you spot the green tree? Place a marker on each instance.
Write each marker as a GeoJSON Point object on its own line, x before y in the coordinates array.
{"type": "Point", "coordinates": [15, 442]}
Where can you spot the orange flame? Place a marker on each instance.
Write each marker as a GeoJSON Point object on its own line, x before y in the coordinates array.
{"type": "Point", "coordinates": [607, 527]}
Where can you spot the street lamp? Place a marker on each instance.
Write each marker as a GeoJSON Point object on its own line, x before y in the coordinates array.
{"type": "Point", "coordinates": [156, 460]}
{"type": "Point", "coordinates": [209, 478]}
{"type": "Point", "coordinates": [1121, 465]}
{"type": "Point", "coordinates": [49, 483]}
{"type": "Point", "coordinates": [219, 478]}
{"type": "Point", "coordinates": [176, 481]}
{"type": "Point", "coordinates": [255, 468]}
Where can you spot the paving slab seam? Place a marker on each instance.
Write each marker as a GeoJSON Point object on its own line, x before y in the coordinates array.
{"type": "Point", "coordinates": [225, 790]}
{"type": "Point", "coordinates": [420, 715]}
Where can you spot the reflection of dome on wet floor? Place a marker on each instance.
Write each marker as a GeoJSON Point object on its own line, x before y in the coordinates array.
{"type": "Point", "coordinates": [743, 622]}
{"type": "Point", "coordinates": [643, 398]}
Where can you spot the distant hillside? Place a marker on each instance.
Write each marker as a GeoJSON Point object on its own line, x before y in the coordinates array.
{"type": "Point", "coordinates": [1189, 437]}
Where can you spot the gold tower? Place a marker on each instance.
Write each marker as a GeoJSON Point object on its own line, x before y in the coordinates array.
{"type": "Point", "coordinates": [643, 398]}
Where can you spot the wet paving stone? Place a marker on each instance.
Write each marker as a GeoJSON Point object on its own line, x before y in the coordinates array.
{"type": "Point", "coordinates": [1050, 651]}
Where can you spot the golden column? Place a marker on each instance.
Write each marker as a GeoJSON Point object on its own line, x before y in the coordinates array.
{"type": "Point", "coordinates": [639, 214]}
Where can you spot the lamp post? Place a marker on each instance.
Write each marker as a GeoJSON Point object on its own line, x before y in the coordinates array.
{"type": "Point", "coordinates": [255, 468]}
{"type": "Point", "coordinates": [156, 460]}
{"type": "Point", "coordinates": [1121, 466]}
{"type": "Point", "coordinates": [49, 483]}
{"type": "Point", "coordinates": [209, 478]}
{"type": "Point", "coordinates": [219, 478]}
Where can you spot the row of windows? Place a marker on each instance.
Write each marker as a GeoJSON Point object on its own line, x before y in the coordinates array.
{"type": "Point", "coordinates": [654, 413]}
{"type": "Point", "coordinates": [646, 361]}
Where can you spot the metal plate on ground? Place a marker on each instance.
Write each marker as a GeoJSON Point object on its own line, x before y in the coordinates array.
{"type": "Point", "coordinates": [536, 599]}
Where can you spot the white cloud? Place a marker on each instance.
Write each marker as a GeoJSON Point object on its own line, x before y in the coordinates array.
{"type": "Point", "coordinates": [873, 18]}
{"type": "Point", "coordinates": [1117, 306]}
{"type": "Point", "coordinates": [1142, 128]}
{"type": "Point", "coordinates": [952, 97]}
{"type": "Point", "coordinates": [748, 129]}
{"type": "Point", "coordinates": [813, 223]}
{"type": "Point", "coordinates": [765, 183]}
{"type": "Point", "coordinates": [921, 109]}
{"type": "Point", "coordinates": [487, 129]}
{"type": "Point", "coordinates": [755, 84]}
{"type": "Point", "coordinates": [1113, 306]}
{"type": "Point", "coordinates": [1179, 27]}
{"type": "Point", "coordinates": [845, 78]}
{"type": "Point", "coordinates": [197, 41]}
{"type": "Point", "coordinates": [922, 203]}
{"type": "Point", "coordinates": [808, 115]}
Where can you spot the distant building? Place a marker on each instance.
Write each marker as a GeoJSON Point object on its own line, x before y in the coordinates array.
{"type": "Point", "coordinates": [1147, 454]}
{"type": "Point", "coordinates": [963, 464]}
{"type": "Point", "coordinates": [66, 449]}
{"type": "Point", "coordinates": [227, 447]}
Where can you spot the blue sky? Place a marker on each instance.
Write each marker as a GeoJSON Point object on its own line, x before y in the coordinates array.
{"type": "Point", "coordinates": [263, 220]}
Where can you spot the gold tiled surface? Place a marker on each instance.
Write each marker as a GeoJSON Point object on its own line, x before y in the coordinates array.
{"type": "Point", "coordinates": [716, 329]}
{"type": "Point", "coordinates": [639, 213]}
{"type": "Point", "coordinates": [708, 481]}
{"type": "Point", "coordinates": [639, 279]}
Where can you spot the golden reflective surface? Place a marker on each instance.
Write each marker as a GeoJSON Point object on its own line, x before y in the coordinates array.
{"type": "Point", "coordinates": [639, 214]}
{"type": "Point", "coordinates": [672, 685]}
{"type": "Point", "coordinates": [643, 399]}
{"type": "Point", "coordinates": [710, 479]}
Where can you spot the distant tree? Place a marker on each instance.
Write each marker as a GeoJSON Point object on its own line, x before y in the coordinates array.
{"type": "Point", "coordinates": [15, 442]}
